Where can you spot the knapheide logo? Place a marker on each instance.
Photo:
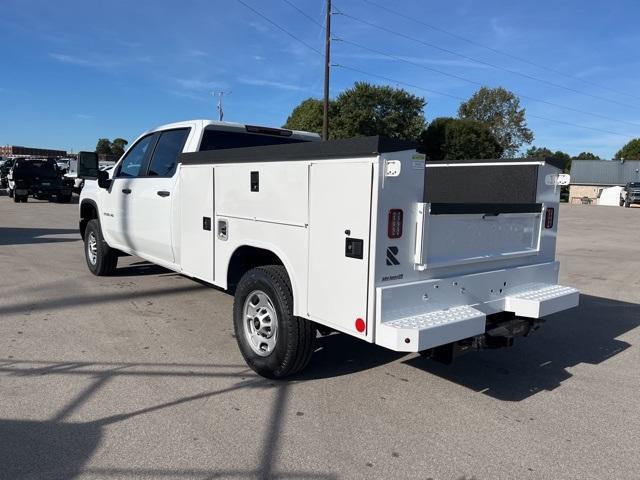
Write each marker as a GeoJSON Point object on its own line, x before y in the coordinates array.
{"type": "Point", "coordinates": [392, 258]}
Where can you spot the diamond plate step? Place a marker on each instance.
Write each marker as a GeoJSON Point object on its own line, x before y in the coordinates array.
{"type": "Point", "coordinates": [537, 300]}
{"type": "Point", "coordinates": [428, 330]}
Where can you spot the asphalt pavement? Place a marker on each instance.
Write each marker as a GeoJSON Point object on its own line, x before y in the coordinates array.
{"type": "Point", "coordinates": [138, 376]}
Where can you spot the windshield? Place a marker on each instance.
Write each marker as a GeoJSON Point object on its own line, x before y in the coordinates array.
{"type": "Point", "coordinates": [36, 168]}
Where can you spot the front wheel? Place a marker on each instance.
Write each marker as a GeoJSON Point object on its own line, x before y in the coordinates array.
{"type": "Point", "coordinates": [627, 204]}
{"type": "Point", "coordinates": [11, 193]}
{"type": "Point", "coordinates": [101, 259]}
{"type": "Point", "coordinates": [273, 341]}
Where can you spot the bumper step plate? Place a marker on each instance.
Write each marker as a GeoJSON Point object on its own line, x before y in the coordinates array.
{"type": "Point", "coordinates": [538, 300]}
{"type": "Point", "coordinates": [420, 332]}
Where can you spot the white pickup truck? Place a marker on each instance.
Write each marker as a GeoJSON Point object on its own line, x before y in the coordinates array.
{"type": "Point", "coordinates": [358, 236]}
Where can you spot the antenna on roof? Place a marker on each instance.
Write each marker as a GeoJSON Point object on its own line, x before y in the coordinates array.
{"type": "Point", "coordinates": [220, 94]}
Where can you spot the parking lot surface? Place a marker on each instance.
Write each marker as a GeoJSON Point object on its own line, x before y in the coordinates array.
{"type": "Point", "coordinates": [138, 376]}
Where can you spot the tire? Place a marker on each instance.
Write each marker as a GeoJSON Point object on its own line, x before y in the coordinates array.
{"type": "Point", "coordinates": [289, 348]}
{"type": "Point", "coordinates": [627, 204]}
{"type": "Point", "coordinates": [16, 199]}
{"type": "Point", "coordinates": [101, 259]}
{"type": "Point", "coordinates": [63, 198]}
{"type": "Point", "coordinates": [10, 193]}
{"type": "Point", "coordinates": [24, 198]}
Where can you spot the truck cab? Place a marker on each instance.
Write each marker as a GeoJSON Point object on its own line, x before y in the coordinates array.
{"type": "Point", "coordinates": [137, 209]}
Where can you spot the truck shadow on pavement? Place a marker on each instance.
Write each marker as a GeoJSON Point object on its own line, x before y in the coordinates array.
{"type": "Point", "coordinates": [24, 236]}
{"type": "Point", "coordinates": [61, 449]}
{"type": "Point", "coordinates": [587, 334]}
{"type": "Point", "coordinates": [141, 268]}
{"type": "Point", "coordinates": [339, 354]}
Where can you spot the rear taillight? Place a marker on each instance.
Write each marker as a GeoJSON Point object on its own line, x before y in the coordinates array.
{"type": "Point", "coordinates": [548, 217]}
{"type": "Point", "coordinates": [394, 228]}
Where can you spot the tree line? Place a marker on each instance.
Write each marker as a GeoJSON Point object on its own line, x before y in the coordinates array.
{"type": "Point", "coordinates": [490, 124]}
{"type": "Point", "coordinates": [115, 147]}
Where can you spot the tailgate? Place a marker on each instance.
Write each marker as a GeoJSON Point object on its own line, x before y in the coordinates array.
{"type": "Point", "coordinates": [448, 237]}
{"type": "Point", "coordinates": [474, 212]}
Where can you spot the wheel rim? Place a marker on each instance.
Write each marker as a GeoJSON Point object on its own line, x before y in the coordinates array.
{"type": "Point", "coordinates": [260, 323]}
{"type": "Point", "coordinates": [92, 248]}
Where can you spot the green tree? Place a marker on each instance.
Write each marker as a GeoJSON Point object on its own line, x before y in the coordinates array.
{"type": "Point", "coordinates": [307, 116]}
{"type": "Point", "coordinates": [103, 147]}
{"type": "Point", "coordinates": [544, 152]}
{"type": "Point", "coordinates": [367, 109]}
{"type": "Point", "coordinates": [499, 109]}
{"type": "Point", "coordinates": [455, 139]}
{"type": "Point", "coordinates": [118, 146]}
{"type": "Point", "coordinates": [631, 151]}
{"type": "Point", "coordinates": [364, 110]}
{"type": "Point", "coordinates": [586, 156]}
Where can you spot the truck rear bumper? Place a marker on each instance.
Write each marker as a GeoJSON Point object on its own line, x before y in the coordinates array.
{"type": "Point", "coordinates": [422, 315]}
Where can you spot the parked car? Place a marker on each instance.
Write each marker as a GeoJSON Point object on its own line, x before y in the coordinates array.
{"type": "Point", "coordinates": [38, 177]}
{"type": "Point", "coordinates": [4, 172]}
{"type": "Point", "coordinates": [357, 235]}
{"type": "Point", "coordinates": [630, 195]}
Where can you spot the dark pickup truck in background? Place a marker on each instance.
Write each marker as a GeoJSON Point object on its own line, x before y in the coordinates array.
{"type": "Point", "coordinates": [38, 177]}
{"type": "Point", "coordinates": [631, 194]}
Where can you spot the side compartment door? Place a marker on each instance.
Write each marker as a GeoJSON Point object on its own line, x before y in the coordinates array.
{"type": "Point", "coordinates": [339, 234]}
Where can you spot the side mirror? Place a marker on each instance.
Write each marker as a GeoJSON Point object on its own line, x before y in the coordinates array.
{"type": "Point", "coordinates": [103, 179]}
{"type": "Point", "coordinates": [88, 165]}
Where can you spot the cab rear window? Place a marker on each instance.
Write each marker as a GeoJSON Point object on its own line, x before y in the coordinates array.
{"type": "Point", "coordinates": [221, 140]}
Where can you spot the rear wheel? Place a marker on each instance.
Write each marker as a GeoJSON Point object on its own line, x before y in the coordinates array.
{"type": "Point", "coordinates": [627, 204]}
{"type": "Point", "coordinates": [24, 198]}
{"type": "Point", "coordinates": [16, 198]}
{"type": "Point", "coordinates": [11, 193]}
{"type": "Point", "coordinates": [273, 342]}
{"type": "Point", "coordinates": [101, 259]}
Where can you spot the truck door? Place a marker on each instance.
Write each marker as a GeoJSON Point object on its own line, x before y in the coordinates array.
{"type": "Point", "coordinates": [152, 198]}
{"type": "Point", "coordinates": [115, 217]}
{"type": "Point", "coordinates": [339, 231]}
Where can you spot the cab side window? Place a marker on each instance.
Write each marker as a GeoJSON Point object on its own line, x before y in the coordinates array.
{"type": "Point", "coordinates": [165, 156]}
{"type": "Point", "coordinates": [133, 162]}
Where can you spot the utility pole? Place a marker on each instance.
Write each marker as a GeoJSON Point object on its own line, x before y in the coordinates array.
{"type": "Point", "coordinates": [220, 94]}
{"type": "Point", "coordinates": [327, 64]}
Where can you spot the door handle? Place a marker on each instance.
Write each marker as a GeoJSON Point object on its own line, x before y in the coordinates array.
{"type": "Point", "coordinates": [163, 193]}
{"type": "Point", "coordinates": [126, 190]}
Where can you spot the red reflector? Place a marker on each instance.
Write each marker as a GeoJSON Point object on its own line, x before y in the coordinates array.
{"type": "Point", "coordinates": [360, 325]}
{"type": "Point", "coordinates": [394, 228]}
{"type": "Point", "coordinates": [548, 218]}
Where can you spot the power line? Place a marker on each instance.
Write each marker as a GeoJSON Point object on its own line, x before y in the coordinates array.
{"type": "Point", "coordinates": [391, 80]}
{"type": "Point", "coordinates": [473, 82]}
{"type": "Point", "coordinates": [280, 28]}
{"type": "Point", "coordinates": [303, 13]}
{"type": "Point", "coordinates": [418, 87]}
{"type": "Point", "coordinates": [481, 62]}
{"type": "Point", "coordinates": [495, 50]}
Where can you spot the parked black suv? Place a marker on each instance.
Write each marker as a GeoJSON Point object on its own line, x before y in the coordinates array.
{"type": "Point", "coordinates": [632, 194]}
{"type": "Point", "coordinates": [38, 177]}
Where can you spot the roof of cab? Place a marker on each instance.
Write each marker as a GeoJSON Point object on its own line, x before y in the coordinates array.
{"type": "Point", "coordinates": [204, 123]}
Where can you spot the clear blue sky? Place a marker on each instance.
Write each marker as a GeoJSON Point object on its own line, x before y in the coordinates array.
{"type": "Point", "coordinates": [73, 71]}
